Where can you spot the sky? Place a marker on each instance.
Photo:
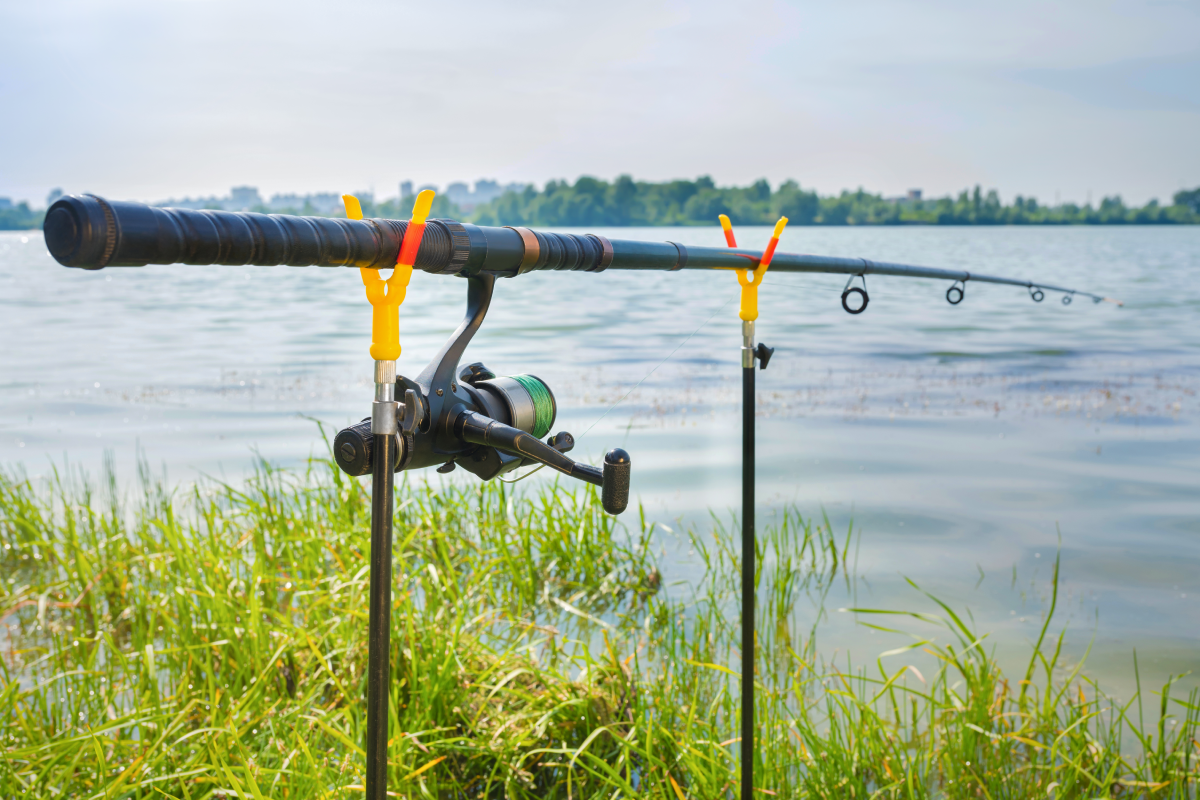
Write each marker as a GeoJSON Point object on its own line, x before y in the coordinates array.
{"type": "Point", "coordinates": [171, 98]}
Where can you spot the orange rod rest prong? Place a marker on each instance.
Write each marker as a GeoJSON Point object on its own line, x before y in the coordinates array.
{"type": "Point", "coordinates": [727, 227]}
{"type": "Point", "coordinates": [386, 296]}
{"type": "Point", "coordinates": [750, 281]}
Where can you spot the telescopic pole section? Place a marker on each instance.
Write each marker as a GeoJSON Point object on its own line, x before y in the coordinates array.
{"type": "Point", "coordinates": [748, 554]}
{"type": "Point", "coordinates": [379, 622]}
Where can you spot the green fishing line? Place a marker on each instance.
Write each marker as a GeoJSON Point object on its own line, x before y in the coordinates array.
{"type": "Point", "coordinates": [543, 403]}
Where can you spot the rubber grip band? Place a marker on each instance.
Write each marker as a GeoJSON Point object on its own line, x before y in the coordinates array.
{"type": "Point", "coordinates": [411, 243]}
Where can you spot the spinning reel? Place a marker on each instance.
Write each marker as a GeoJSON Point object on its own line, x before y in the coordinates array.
{"type": "Point", "coordinates": [472, 418]}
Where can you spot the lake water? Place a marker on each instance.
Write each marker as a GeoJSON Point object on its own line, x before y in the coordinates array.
{"type": "Point", "coordinates": [962, 441]}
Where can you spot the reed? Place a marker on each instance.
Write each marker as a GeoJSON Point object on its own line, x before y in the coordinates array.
{"type": "Point", "coordinates": [210, 642]}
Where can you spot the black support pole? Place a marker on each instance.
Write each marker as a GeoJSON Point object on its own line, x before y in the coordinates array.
{"type": "Point", "coordinates": [380, 621]}
{"type": "Point", "coordinates": [748, 554]}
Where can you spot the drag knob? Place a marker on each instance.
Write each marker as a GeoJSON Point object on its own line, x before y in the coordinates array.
{"type": "Point", "coordinates": [353, 449]}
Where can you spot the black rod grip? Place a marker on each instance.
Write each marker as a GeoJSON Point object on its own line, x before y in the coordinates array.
{"type": "Point", "coordinates": [90, 232]}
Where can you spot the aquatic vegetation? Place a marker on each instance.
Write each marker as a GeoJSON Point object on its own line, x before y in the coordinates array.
{"type": "Point", "coordinates": [211, 642]}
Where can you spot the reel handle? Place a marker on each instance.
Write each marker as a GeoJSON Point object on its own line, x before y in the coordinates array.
{"type": "Point", "coordinates": [613, 479]}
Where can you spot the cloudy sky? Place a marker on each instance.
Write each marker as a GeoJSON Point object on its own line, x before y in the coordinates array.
{"type": "Point", "coordinates": [150, 100]}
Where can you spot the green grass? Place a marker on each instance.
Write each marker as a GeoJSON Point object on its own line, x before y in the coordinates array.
{"type": "Point", "coordinates": [212, 644]}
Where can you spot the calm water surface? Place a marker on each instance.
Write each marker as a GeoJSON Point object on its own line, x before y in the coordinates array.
{"type": "Point", "coordinates": [963, 442]}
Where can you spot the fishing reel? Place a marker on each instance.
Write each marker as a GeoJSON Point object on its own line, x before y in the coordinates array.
{"type": "Point", "coordinates": [482, 422]}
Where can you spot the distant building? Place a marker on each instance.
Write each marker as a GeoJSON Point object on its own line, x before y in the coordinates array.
{"type": "Point", "coordinates": [243, 198]}
{"type": "Point", "coordinates": [459, 194]}
{"type": "Point", "coordinates": [321, 203]}
{"type": "Point", "coordinates": [285, 202]}
{"type": "Point", "coordinates": [5, 203]}
{"type": "Point", "coordinates": [485, 192]}
{"type": "Point", "coordinates": [913, 196]}
{"type": "Point", "coordinates": [247, 198]}
{"type": "Point", "coordinates": [330, 202]}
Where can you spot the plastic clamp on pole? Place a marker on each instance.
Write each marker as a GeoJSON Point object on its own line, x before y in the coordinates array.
{"type": "Point", "coordinates": [386, 296]}
{"type": "Point", "coordinates": [750, 280]}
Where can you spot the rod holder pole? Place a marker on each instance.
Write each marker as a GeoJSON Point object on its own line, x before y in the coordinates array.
{"type": "Point", "coordinates": [748, 558]}
{"type": "Point", "coordinates": [379, 622]}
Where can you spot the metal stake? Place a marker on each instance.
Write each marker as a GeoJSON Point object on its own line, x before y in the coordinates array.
{"type": "Point", "coordinates": [379, 623]}
{"type": "Point", "coordinates": [748, 556]}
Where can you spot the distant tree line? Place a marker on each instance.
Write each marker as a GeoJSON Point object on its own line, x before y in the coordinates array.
{"type": "Point", "coordinates": [595, 202]}
{"type": "Point", "coordinates": [624, 202]}
{"type": "Point", "coordinates": [20, 217]}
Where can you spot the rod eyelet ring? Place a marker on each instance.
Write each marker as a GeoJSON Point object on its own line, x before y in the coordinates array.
{"type": "Point", "coordinates": [862, 293]}
{"type": "Point", "coordinates": [849, 290]}
{"type": "Point", "coordinates": [1066, 299]}
{"type": "Point", "coordinates": [1037, 294]}
{"type": "Point", "coordinates": [956, 293]}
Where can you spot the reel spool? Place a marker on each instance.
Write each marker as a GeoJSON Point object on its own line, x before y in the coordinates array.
{"type": "Point", "coordinates": [527, 399]}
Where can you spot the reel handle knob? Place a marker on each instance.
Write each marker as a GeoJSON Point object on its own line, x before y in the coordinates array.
{"type": "Point", "coordinates": [614, 491]}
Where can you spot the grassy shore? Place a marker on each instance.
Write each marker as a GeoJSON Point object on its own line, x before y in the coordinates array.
{"type": "Point", "coordinates": [211, 643]}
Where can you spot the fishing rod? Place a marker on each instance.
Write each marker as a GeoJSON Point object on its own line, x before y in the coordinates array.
{"type": "Point", "coordinates": [93, 233]}
{"type": "Point", "coordinates": [473, 418]}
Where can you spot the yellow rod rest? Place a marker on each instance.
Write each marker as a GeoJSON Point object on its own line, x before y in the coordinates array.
{"type": "Point", "coordinates": [752, 279]}
{"type": "Point", "coordinates": [386, 296]}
